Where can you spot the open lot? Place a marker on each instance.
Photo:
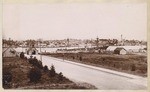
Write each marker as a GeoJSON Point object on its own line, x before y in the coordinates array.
{"type": "Point", "coordinates": [133, 64]}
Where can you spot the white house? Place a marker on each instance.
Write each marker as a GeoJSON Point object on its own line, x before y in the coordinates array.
{"type": "Point", "coordinates": [111, 48]}
{"type": "Point", "coordinates": [9, 52]}
{"type": "Point", "coordinates": [129, 49]}
{"type": "Point", "coordinates": [120, 51]}
{"type": "Point", "coordinates": [31, 51]}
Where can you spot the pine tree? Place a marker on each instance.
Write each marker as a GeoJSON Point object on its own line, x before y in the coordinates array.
{"type": "Point", "coordinates": [22, 55]}
{"type": "Point", "coordinates": [45, 68]}
{"type": "Point", "coordinates": [52, 72]}
{"type": "Point", "coordinates": [60, 76]}
{"type": "Point", "coordinates": [34, 74]}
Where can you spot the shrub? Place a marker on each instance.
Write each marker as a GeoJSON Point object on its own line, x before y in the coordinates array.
{"type": "Point", "coordinates": [7, 76]}
{"type": "Point", "coordinates": [39, 64]}
{"type": "Point", "coordinates": [25, 58]}
{"type": "Point", "coordinates": [22, 55]}
{"type": "Point", "coordinates": [35, 62]}
{"type": "Point", "coordinates": [52, 72]}
{"type": "Point", "coordinates": [30, 60]}
{"type": "Point", "coordinates": [73, 57]}
{"type": "Point", "coordinates": [143, 69]}
{"type": "Point", "coordinates": [60, 76]}
{"type": "Point", "coordinates": [34, 74]}
{"type": "Point", "coordinates": [80, 58]}
{"type": "Point", "coordinates": [133, 67]}
{"type": "Point", "coordinates": [45, 68]}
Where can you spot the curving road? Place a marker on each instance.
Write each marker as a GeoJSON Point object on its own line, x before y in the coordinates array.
{"type": "Point", "coordinates": [102, 78]}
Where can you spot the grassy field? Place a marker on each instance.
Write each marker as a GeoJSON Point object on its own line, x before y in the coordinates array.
{"type": "Point", "coordinates": [19, 70]}
{"type": "Point", "coordinates": [133, 64]}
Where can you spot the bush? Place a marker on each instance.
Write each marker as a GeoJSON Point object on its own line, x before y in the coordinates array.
{"type": "Point", "coordinates": [133, 67]}
{"type": "Point", "coordinates": [60, 76]}
{"type": "Point", "coordinates": [30, 60]}
{"type": "Point", "coordinates": [73, 57]}
{"type": "Point", "coordinates": [45, 68]}
{"type": "Point", "coordinates": [22, 55]}
{"type": "Point", "coordinates": [25, 58]}
{"type": "Point", "coordinates": [39, 64]}
{"type": "Point", "coordinates": [52, 72]}
{"type": "Point", "coordinates": [143, 69]}
{"type": "Point", "coordinates": [80, 58]}
{"type": "Point", "coordinates": [34, 74]}
{"type": "Point", "coordinates": [7, 76]}
{"type": "Point", "coordinates": [35, 62]}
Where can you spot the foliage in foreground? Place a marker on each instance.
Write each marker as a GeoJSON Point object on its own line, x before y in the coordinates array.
{"type": "Point", "coordinates": [34, 74]}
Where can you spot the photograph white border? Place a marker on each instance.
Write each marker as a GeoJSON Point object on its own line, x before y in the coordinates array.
{"type": "Point", "coordinates": [73, 1]}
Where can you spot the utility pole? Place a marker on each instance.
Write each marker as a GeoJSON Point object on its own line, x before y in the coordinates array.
{"type": "Point", "coordinates": [122, 41]}
{"type": "Point", "coordinates": [97, 42]}
{"type": "Point", "coordinates": [22, 48]}
{"type": "Point", "coordinates": [67, 42]}
{"type": "Point", "coordinates": [40, 40]}
{"type": "Point", "coordinates": [40, 52]}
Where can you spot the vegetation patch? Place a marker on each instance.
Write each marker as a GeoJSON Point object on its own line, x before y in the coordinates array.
{"type": "Point", "coordinates": [133, 64]}
{"type": "Point", "coordinates": [23, 73]}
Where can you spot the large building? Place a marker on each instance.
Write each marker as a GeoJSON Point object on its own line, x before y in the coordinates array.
{"type": "Point", "coordinates": [31, 50]}
{"type": "Point", "coordinates": [9, 52]}
{"type": "Point", "coordinates": [120, 51]}
{"type": "Point", "coordinates": [129, 49]}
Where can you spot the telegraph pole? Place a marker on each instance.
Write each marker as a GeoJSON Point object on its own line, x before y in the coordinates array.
{"type": "Point", "coordinates": [22, 48]}
{"type": "Point", "coordinates": [97, 42]}
{"type": "Point", "coordinates": [40, 40]}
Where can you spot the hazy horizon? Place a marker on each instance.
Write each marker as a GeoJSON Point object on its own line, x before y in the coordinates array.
{"type": "Point", "coordinates": [77, 21]}
{"type": "Point", "coordinates": [119, 39]}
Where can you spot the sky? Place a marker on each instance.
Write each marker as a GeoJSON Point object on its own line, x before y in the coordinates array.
{"type": "Point", "coordinates": [75, 20]}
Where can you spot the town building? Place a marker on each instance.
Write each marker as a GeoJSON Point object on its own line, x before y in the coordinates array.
{"type": "Point", "coordinates": [129, 49]}
{"type": "Point", "coordinates": [9, 52]}
{"type": "Point", "coordinates": [31, 50]}
{"type": "Point", "coordinates": [120, 51]}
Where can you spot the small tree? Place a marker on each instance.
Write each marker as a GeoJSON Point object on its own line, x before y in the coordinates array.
{"type": "Point", "coordinates": [35, 62]}
{"type": "Point", "coordinates": [80, 58]}
{"type": "Point", "coordinates": [34, 74]}
{"type": "Point", "coordinates": [60, 76]}
{"type": "Point", "coordinates": [39, 64]}
{"type": "Point", "coordinates": [22, 55]}
{"type": "Point", "coordinates": [7, 77]}
{"type": "Point", "coordinates": [73, 57]}
{"type": "Point", "coordinates": [30, 59]}
{"type": "Point", "coordinates": [45, 68]}
{"type": "Point", "coordinates": [52, 72]}
{"type": "Point", "coordinates": [133, 67]}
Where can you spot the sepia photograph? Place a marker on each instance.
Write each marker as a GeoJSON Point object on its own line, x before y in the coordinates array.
{"type": "Point", "coordinates": [74, 45]}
